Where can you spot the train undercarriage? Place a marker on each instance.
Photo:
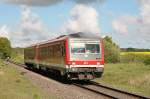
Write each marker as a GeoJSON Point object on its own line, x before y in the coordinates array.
{"type": "Point", "coordinates": [74, 73]}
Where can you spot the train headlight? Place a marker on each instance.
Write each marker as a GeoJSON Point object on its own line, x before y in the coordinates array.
{"type": "Point", "coordinates": [98, 63]}
{"type": "Point", "coordinates": [73, 63]}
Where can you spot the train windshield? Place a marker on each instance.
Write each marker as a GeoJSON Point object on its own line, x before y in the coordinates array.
{"type": "Point", "coordinates": [92, 48]}
{"type": "Point", "coordinates": [85, 49]}
{"type": "Point", "coordinates": [79, 48]}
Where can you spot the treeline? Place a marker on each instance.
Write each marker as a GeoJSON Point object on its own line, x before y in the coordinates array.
{"type": "Point", "coordinates": [18, 50]}
{"type": "Point", "coordinates": [5, 48]}
{"type": "Point", "coordinates": [134, 50]}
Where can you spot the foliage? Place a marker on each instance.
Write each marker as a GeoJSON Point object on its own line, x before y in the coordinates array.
{"type": "Point", "coordinates": [112, 51]}
{"type": "Point", "coordinates": [134, 50]}
{"type": "Point", "coordinates": [5, 47]}
{"type": "Point", "coordinates": [133, 77]}
{"type": "Point", "coordinates": [147, 61]}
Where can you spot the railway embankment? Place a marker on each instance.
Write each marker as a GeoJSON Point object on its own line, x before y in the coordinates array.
{"type": "Point", "coordinates": [97, 91]}
{"type": "Point", "coordinates": [132, 77]}
{"type": "Point", "coordinates": [15, 85]}
{"type": "Point", "coordinates": [52, 86]}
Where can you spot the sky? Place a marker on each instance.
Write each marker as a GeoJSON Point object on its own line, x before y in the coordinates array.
{"type": "Point", "coordinates": [26, 22]}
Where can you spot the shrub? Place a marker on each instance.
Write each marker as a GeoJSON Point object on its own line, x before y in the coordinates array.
{"type": "Point", "coordinates": [147, 61]}
{"type": "Point", "coordinates": [5, 48]}
{"type": "Point", "coordinates": [112, 51]}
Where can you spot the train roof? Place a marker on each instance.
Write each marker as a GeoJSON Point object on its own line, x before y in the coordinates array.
{"type": "Point", "coordinates": [74, 35]}
{"type": "Point", "coordinates": [84, 35]}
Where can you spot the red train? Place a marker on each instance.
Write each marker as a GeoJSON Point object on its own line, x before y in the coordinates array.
{"type": "Point", "coordinates": [74, 56]}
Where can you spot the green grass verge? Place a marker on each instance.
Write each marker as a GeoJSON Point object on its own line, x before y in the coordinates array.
{"type": "Point", "coordinates": [17, 55]}
{"type": "Point", "coordinates": [134, 77]}
{"type": "Point", "coordinates": [14, 85]}
{"type": "Point", "coordinates": [136, 57]}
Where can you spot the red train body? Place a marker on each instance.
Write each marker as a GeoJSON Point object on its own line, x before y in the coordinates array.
{"type": "Point", "coordinates": [74, 56]}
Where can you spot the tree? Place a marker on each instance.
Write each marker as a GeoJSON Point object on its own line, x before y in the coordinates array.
{"type": "Point", "coordinates": [112, 51]}
{"type": "Point", "coordinates": [5, 47]}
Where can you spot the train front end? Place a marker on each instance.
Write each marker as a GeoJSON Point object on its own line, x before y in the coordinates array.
{"type": "Point", "coordinates": [85, 59]}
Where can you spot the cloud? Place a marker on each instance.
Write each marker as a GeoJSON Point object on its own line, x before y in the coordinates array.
{"type": "Point", "coordinates": [31, 23]}
{"type": "Point", "coordinates": [122, 24]}
{"type": "Point", "coordinates": [119, 26]}
{"type": "Point", "coordinates": [30, 29]}
{"type": "Point", "coordinates": [144, 30]}
{"type": "Point", "coordinates": [136, 28]}
{"type": "Point", "coordinates": [88, 1]}
{"type": "Point", "coordinates": [145, 11]}
{"type": "Point", "coordinates": [4, 31]}
{"type": "Point", "coordinates": [49, 2]}
{"type": "Point", "coordinates": [33, 2]}
{"type": "Point", "coordinates": [83, 19]}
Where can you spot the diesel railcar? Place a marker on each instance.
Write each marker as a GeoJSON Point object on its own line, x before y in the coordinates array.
{"type": "Point", "coordinates": [73, 56]}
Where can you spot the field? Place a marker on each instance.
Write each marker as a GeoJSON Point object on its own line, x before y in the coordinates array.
{"type": "Point", "coordinates": [14, 85]}
{"type": "Point", "coordinates": [131, 74]}
{"type": "Point", "coordinates": [136, 53]}
{"type": "Point", "coordinates": [134, 77]}
{"type": "Point", "coordinates": [136, 57]}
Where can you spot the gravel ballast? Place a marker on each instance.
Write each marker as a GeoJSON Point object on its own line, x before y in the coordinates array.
{"type": "Point", "coordinates": [61, 90]}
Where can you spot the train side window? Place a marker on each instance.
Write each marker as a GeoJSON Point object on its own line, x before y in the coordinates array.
{"type": "Point", "coordinates": [58, 50]}
{"type": "Point", "coordinates": [42, 52]}
{"type": "Point", "coordinates": [62, 50]}
{"type": "Point", "coordinates": [48, 51]}
{"type": "Point", "coordinates": [52, 50]}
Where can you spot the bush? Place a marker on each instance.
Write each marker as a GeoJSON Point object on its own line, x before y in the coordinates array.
{"type": "Point", "coordinates": [112, 51]}
{"type": "Point", "coordinates": [5, 47]}
{"type": "Point", "coordinates": [147, 61]}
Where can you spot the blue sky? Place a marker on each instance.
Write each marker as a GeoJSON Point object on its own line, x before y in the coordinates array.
{"type": "Point", "coordinates": [115, 18]}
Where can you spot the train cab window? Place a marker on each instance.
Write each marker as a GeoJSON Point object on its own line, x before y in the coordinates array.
{"type": "Point", "coordinates": [92, 48]}
{"type": "Point", "coordinates": [82, 48]}
{"type": "Point", "coordinates": [77, 48]}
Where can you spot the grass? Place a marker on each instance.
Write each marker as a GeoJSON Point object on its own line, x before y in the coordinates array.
{"type": "Point", "coordinates": [137, 57]}
{"type": "Point", "coordinates": [18, 58]}
{"type": "Point", "coordinates": [134, 77]}
{"type": "Point", "coordinates": [17, 55]}
{"type": "Point", "coordinates": [14, 85]}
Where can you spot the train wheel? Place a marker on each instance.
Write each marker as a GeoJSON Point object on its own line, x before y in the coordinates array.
{"type": "Point", "coordinates": [28, 65]}
{"type": "Point", "coordinates": [65, 79]}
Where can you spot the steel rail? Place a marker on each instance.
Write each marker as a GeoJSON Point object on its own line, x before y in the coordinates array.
{"type": "Point", "coordinates": [95, 91]}
{"type": "Point", "coordinates": [120, 91]}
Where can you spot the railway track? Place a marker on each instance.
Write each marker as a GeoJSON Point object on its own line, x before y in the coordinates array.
{"type": "Point", "coordinates": [102, 89]}
{"type": "Point", "coordinates": [110, 92]}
